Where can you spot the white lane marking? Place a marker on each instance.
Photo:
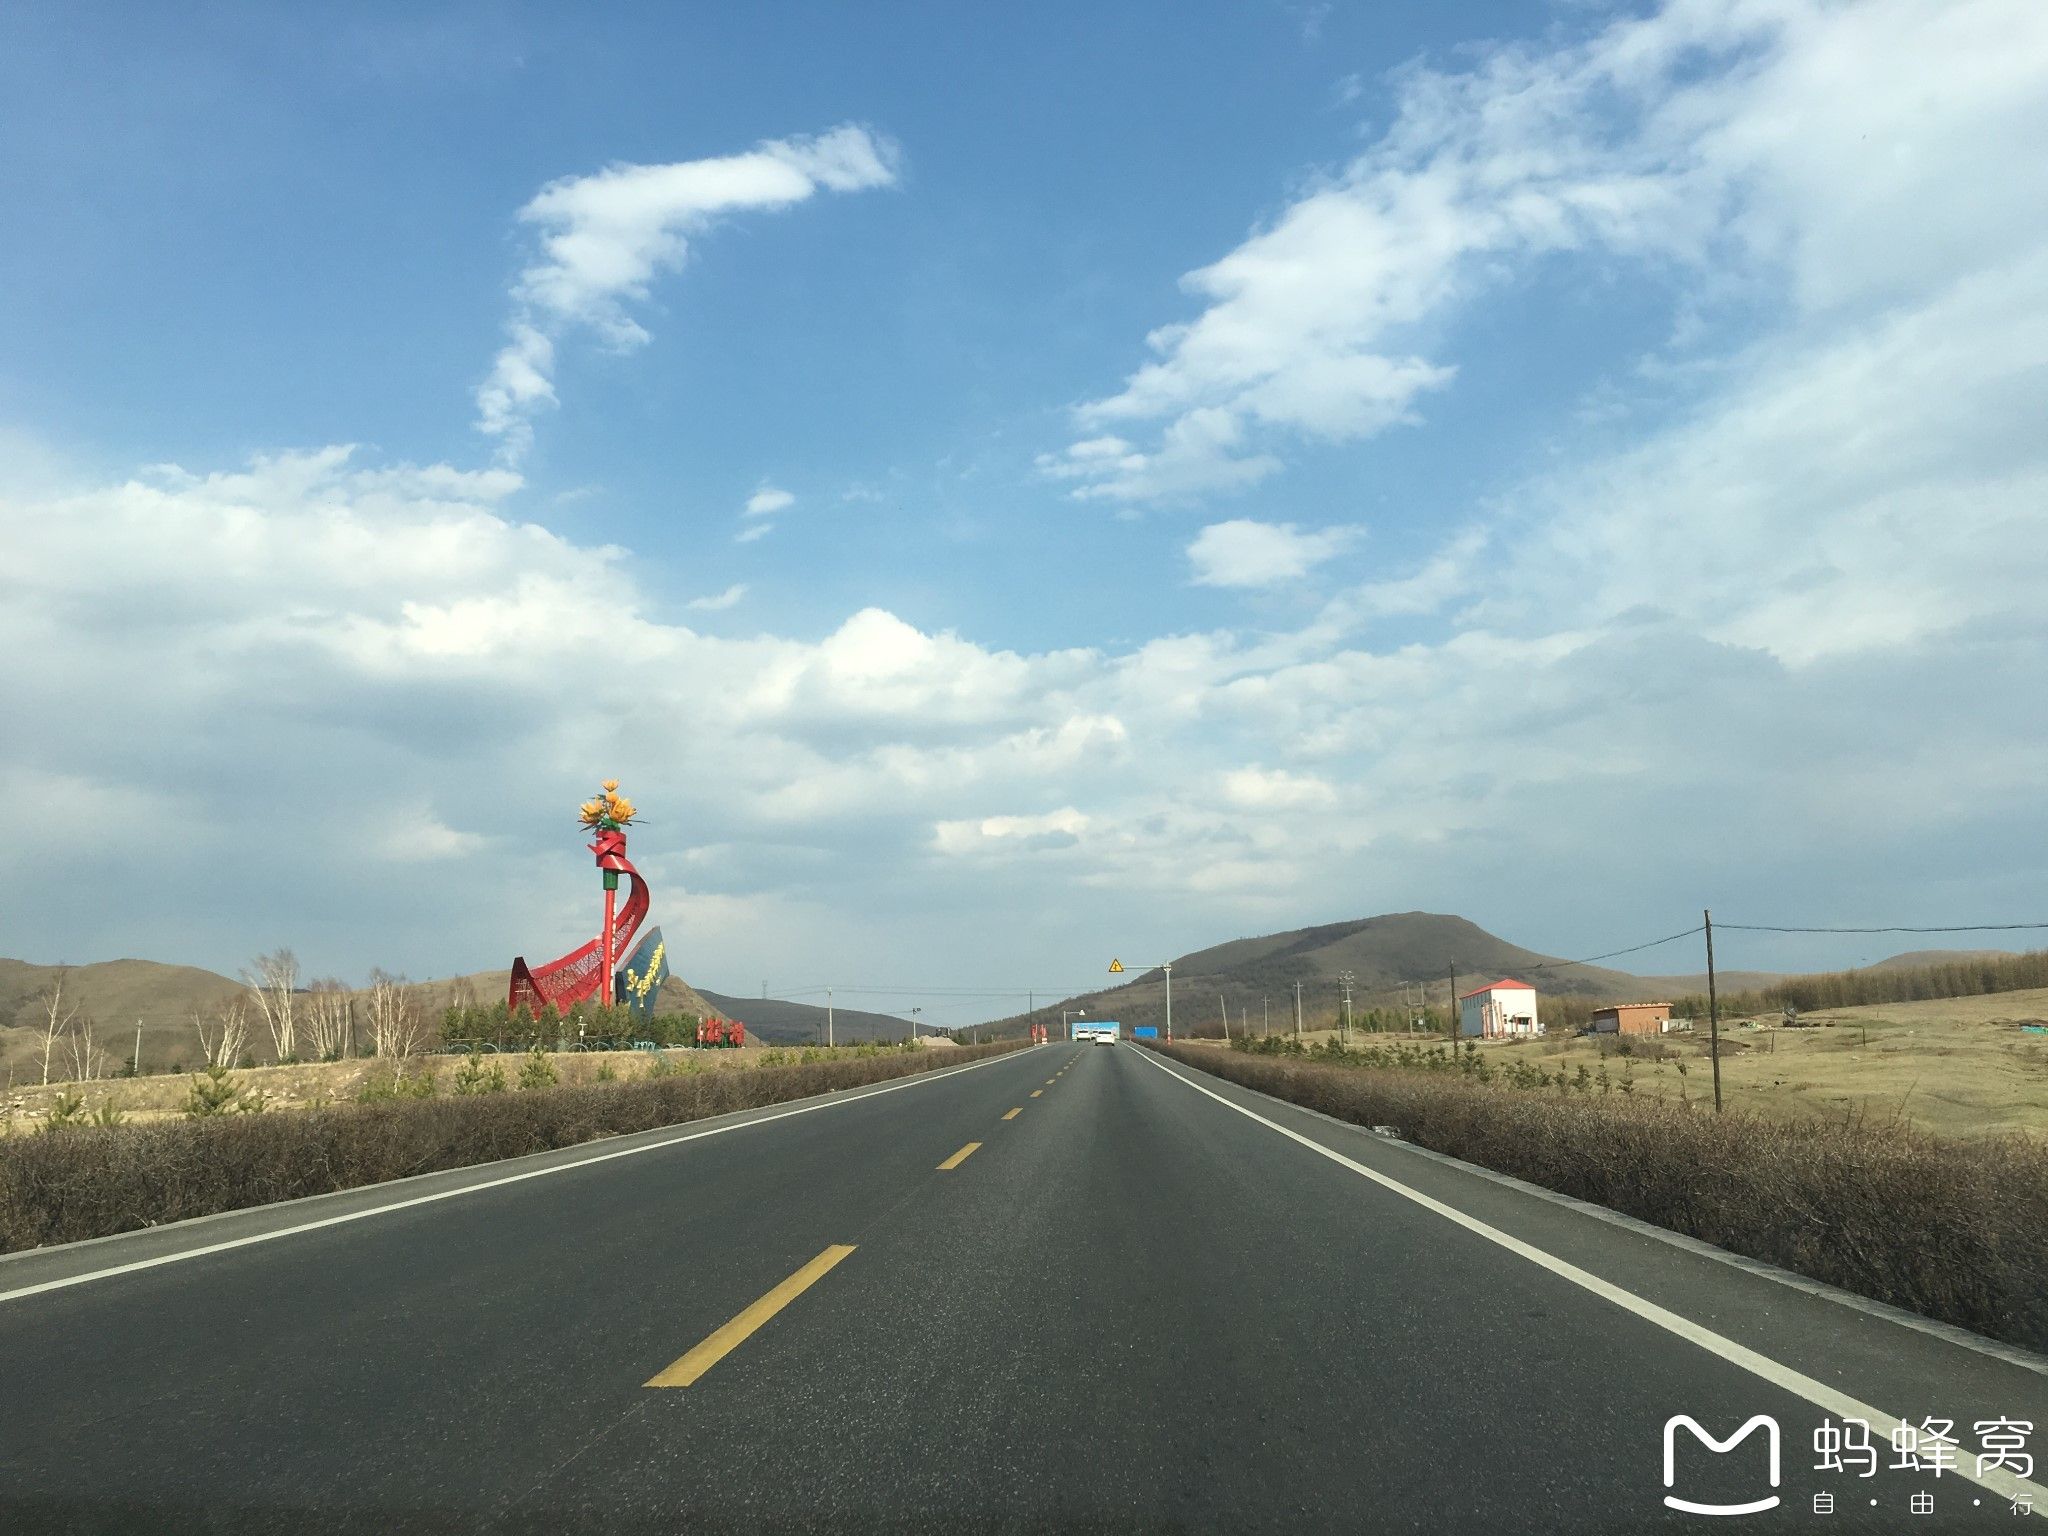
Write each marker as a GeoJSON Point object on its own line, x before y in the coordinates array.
{"type": "Point", "coordinates": [855, 1097]}
{"type": "Point", "coordinates": [1948, 1333]}
{"type": "Point", "coordinates": [1821, 1395]}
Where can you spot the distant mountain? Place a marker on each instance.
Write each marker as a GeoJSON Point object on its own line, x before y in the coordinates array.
{"type": "Point", "coordinates": [117, 995]}
{"type": "Point", "coordinates": [1397, 959]}
{"type": "Point", "coordinates": [1917, 957]}
{"type": "Point", "coordinates": [1394, 959]}
{"type": "Point", "coordinates": [785, 1023]}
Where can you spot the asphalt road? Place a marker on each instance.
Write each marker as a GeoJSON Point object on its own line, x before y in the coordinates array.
{"type": "Point", "coordinates": [1144, 1301]}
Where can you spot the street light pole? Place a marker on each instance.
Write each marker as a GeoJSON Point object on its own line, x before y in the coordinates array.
{"type": "Point", "coordinates": [913, 1024]}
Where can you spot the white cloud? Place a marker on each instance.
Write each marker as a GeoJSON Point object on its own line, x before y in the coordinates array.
{"type": "Point", "coordinates": [753, 531]}
{"type": "Point", "coordinates": [1775, 649]}
{"type": "Point", "coordinates": [1243, 553]}
{"type": "Point", "coordinates": [605, 237]}
{"type": "Point", "coordinates": [1276, 789]}
{"type": "Point", "coordinates": [721, 601]}
{"type": "Point", "coordinates": [1010, 834]}
{"type": "Point", "coordinates": [768, 499]}
{"type": "Point", "coordinates": [1197, 453]}
{"type": "Point", "coordinates": [1639, 142]}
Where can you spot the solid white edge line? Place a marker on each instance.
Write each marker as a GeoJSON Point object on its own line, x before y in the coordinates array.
{"type": "Point", "coordinates": [1821, 1395]}
{"type": "Point", "coordinates": [853, 1096]}
{"type": "Point", "coordinates": [1899, 1317]}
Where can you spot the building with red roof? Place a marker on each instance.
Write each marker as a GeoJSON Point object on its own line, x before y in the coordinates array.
{"type": "Point", "coordinates": [1500, 1008]}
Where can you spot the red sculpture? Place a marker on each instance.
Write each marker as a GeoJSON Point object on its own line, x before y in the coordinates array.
{"type": "Point", "coordinates": [586, 971]}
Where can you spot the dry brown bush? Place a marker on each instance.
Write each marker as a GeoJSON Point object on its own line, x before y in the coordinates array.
{"type": "Point", "coordinates": [1956, 1231]}
{"type": "Point", "coordinates": [88, 1181]}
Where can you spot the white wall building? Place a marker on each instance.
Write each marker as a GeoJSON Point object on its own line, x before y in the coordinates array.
{"type": "Point", "coordinates": [1505, 1007]}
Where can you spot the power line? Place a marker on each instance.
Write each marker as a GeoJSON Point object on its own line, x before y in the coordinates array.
{"type": "Point", "coordinates": [1551, 965]}
{"type": "Point", "coordinates": [1958, 928]}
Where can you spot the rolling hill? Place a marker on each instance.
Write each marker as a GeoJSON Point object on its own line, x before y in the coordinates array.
{"type": "Point", "coordinates": [119, 995]}
{"type": "Point", "coordinates": [786, 1023]}
{"type": "Point", "coordinates": [1395, 959]}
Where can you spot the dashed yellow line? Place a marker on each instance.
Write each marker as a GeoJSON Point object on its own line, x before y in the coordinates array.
{"type": "Point", "coordinates": [1013, 1114]}
{"type": "Point", "coordinates": [959, 1157]}
{"type": "Point", "coordinates": [1036, 1092]}
{"type": "Point", "coordinates": [741, 1328]}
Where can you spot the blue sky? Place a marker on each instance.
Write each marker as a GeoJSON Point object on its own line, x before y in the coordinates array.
{"type": "Point", "coordinates": [1215, 470]}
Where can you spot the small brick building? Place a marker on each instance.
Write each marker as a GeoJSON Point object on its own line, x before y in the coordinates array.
{"type": "Point", "coordinates": [1633, 1019]}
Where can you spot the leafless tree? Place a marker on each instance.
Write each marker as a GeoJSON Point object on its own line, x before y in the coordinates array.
{"type": "Point", "coordinates": [222, 1037]}
{"type": "Point", "coordinates": [393, 1009]}
{"type": "Point", "coordinates": [58, 1017]}
{"type": "Point", "coordinates": [88, 1061]}
{"type": "Point", "coordinates": [330, 1016]}
{"type": "Point", "coordinates": [272, 980]}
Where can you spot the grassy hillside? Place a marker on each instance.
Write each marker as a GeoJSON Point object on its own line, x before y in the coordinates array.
{"type": "Point", "coordinates": [1959, 1067]}
{"type": "Point", "coordinates": [118, 994]}
{"type": "Point", "coordinates": [786, 1023]}
{"type": "Point", "coordinates": [1395, 959]}
{"type": "Point", "coordinates": [1398, 961]}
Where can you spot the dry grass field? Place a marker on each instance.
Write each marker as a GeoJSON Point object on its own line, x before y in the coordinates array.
{"type": "Point", "coordinates": [312, 1083]}
{"type": "Point", "coordinates": [1958, 1067]}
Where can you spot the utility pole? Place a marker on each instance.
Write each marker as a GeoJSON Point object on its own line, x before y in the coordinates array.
{"type": "Point", "coordinates": [1297, 1010]}
{"type": "Point", "coordinates": [1344, 977]}
{"type": "Point", "coordinates": [1267, 1004]}
{"type": "Point", "coordinates": [1713, 1009]}
{"type": "Point", "coordinates": [828, 1015]}
{"type": "Point", "coordinates": [1226, 1016]}
{"type": "Point", "coordinates": [913, 1024]}
{"type": "Point", "coordinates": [135, 1066]}
{"type": "Point", "coordinates": [1169, 1001]}
{"type": "Point", "coordinates": [1452, 1023]}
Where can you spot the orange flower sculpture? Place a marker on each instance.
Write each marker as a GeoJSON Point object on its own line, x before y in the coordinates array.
{"type": "Point", "coordinates": [609, 811]}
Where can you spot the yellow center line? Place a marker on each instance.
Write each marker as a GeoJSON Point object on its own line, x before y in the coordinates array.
{"type": "Point", "coordinates": [1036, 1092]}
{"type": "Point", "coordinates": [1048, 1081]}
{"type": "Point", "coordinates": [741, 1328]}
{"type": "Point", "coordinates": [1013, 1114]}
{"type": "Point", "coordinates": [959, 1157]}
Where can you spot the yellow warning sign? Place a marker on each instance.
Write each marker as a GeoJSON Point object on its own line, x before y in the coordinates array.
{"type": "Point", "coordinates": [1116, 967]}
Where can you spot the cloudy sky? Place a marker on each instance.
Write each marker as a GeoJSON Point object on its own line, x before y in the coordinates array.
{"type": "Point", "coordinates": [1005, 488]}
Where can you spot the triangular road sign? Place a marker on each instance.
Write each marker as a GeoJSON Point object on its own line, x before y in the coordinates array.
{"type": "Point", "coordinates": [1116, 967]}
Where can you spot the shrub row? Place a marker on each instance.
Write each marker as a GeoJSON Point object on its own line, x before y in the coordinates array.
{"type": "Point", "coordinates": [88, 1181]}
{"type": "Point", "coordinates": [1956, 1231]}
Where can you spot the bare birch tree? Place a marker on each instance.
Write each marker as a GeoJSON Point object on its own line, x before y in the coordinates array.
{"type": "Point", "coordinates": [330, 1016]}
{"type": "Point", "coordinates": [222, 1037]}
{"type": "Point", "coordinates": [392, 1006]}
{"type": "Point", "coordinates": [272, 981]}
{"type": "Point", "coordinates": [88, 1060]}
{"type": "Point", "coordinates": [58, 1017]}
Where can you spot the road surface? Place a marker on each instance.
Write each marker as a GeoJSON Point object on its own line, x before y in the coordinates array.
{"type": "Point", "coordinates": [1072, 1288]}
